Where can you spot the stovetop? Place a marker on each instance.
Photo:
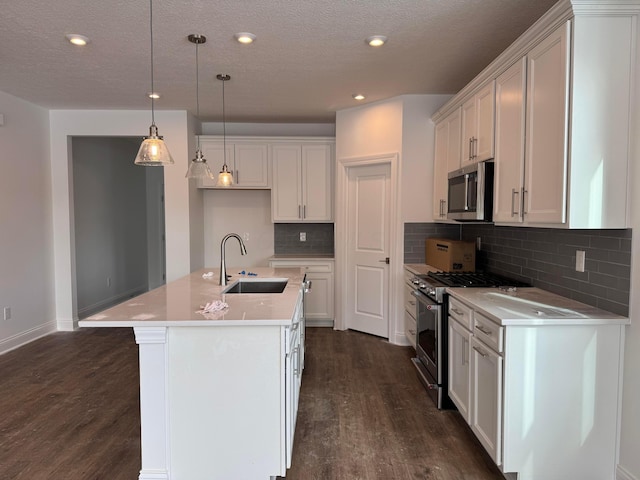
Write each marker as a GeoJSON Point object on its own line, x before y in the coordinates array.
{"type": "Point", "coordinates": [469, 279]}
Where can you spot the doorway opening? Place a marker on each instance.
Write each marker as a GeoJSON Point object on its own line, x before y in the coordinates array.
{"type": "Point", "coordinates": [118, 223]}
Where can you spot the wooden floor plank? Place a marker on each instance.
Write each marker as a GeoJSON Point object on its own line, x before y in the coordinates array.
{"type": "Point", "coordinates": [70, 410]}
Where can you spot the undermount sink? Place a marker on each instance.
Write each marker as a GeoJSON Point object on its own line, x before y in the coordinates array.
{"type": "Point", "coordinates": [257, 285]}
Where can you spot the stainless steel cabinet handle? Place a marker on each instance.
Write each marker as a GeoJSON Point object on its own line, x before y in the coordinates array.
{"type": "Point", "coordinates": [514, 192]}
{"type": "Point", "coordinates": [299, 211]}
{"type": "Point", "coordinates": [480, 352]}
{"type": "Point", "coordinates": [484, 330]}
{"type": "Point", "coordinates": [465, 351]}
{"type": "Point", "coordinates": [470, 148]}
{"type": "Point", "coordinates": [412, 303]}
{"type": "Point", "coordinates": [307, 287]}
{"type": "Point", "coordinates": [296, 363]}
{"type": "Point", "coordinates": [456, 311]}
{"type": "Point", "coordinates": [237, 177]}
{"type": "Point", "coordinates": [524, 202]}
{"type": "Point", "coordinates": [412, 332]}
{"type": "Point", "coordinates": [475, 148]}
{"type": "Point", "coordinates": [304, 212]}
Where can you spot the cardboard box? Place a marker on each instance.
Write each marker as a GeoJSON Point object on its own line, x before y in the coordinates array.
{"type": "Point", "coordinates": [451, 255]}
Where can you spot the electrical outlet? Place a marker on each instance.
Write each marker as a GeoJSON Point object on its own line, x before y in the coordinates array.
{"type": "Point", "coordinates": [108, 281]}
{"type": "Point", "coordinates": [7, 313]}
{"type": "Point", "coordinates": [303, 236]}
{"type": "Point", "coordinates": [580, 257]}
{"type": "Point", "coordinates": [245, 236]}
{"type": "Point", "coordinates": [478, 243]}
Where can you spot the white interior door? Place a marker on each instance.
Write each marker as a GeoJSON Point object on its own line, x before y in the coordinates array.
{"type": "Point", "coordinates": [367, 290]}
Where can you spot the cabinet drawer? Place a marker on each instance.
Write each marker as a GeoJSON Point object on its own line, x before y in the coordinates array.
{"type": "Point", "coordinates": [461, 313]}
{"type": "Point", "coordinates": [409, 301]}
{"type": "Point", "coordinates": [410, 329]}
{"type": "Point", "coordinates": [489, 332]}
{"type": "Point", "coordinates": [310, 266]}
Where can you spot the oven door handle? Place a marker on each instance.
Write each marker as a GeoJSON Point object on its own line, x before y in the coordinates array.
{"type": "Point", "coordinates": [425, 300]}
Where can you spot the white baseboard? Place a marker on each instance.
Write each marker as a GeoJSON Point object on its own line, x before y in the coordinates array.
{"type": "Point", "coordinates": [624, 474]}
{"type": "Point", "coordinates": [27, 336]}
{"type": "Point", "coordinates": [153, 475]}
{"type": "Point", "coordinates": [320, 322]}
{"type": "Point", "coordinates": [111, 301]}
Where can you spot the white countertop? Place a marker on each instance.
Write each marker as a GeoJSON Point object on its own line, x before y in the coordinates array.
{"type": "Point", "coordinates": [177, 303]}
{"type": "Point", "coordinates": [420, 268]}
{"type": "Point", "coordinates": [533, 306]}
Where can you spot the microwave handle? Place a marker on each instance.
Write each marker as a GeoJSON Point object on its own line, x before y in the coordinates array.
{"type": "Point", "coordinates": [466, 191]}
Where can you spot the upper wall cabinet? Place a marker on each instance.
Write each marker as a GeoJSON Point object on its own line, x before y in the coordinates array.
{"type": "Point", "coordinates": [447, 159]}
{"type": "Point", "coordinates": [562, 118]}
{"type": "Point", "coordinates": [247, 160]}
{"type": "Point", "coordinates": [302, 188]}
{"type": "Point", "coordinates": [478, 114]}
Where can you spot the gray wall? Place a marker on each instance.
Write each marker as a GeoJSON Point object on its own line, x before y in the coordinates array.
{"type": "Point", "coordinates": [110, 220]}
{"type": "Point", "coordinates": [544, 257]}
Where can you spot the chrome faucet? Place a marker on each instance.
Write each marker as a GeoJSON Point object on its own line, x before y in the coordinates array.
{"type": "Point", "coordinates": [223, 266]}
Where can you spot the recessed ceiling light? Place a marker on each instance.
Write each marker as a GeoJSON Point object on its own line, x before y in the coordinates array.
{"type": "Point", "coordinates": [358, 96]}
{"type": "Point", "coordinates": [154, 95]}
{"type": "Point", "coordinates": [76, 39]}
{"type": "Point", "coordinates": [245, 37]}
{"type": "Point", "coordinates": [376, 40]}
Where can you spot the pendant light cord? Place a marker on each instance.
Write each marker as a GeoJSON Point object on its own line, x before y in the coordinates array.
{"type": "Point", "coordinates": [197, 94]}
{"type": "Point", "coordinates": [153, 119]}
{"type": "Point", "coordinates": [224, 126]}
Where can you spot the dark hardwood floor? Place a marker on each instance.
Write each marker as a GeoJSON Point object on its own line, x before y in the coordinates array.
{"type": "Point", "coordinates": [69, 410]}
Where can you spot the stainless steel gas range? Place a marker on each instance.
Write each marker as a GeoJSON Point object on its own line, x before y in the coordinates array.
{"type": "Point", "coordinates": [432, 325]}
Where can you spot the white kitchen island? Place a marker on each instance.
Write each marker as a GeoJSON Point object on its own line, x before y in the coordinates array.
{"type": "Point", "coordinates": [218, 392]}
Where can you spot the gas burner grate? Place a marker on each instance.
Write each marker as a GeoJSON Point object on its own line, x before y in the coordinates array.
{"type": "Point", "coordinates": [473, 279]}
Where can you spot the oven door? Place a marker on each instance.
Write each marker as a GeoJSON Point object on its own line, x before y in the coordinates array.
{"type": "Point", "coordinates": [428, 314]}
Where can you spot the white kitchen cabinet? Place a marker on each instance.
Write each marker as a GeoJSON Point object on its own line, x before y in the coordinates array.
{"type": "Point", "coordinates": [447, 159]}
{"type": "Point", "coordinates": [319, 301]}
{"type": "Point", "coordinates": [509, 155]}
{"type": "Point", "coordinates": [293, 377]}
{"type": "Point", "coordinates": [302, 188]}
{"type": "Point", "coordinates": [410, 324]}
{"type": "Point", "coordinates": [545, 193]}
{"type": "Point", "coordinates": [580, 73]}
{"type": "Point", "coordinates": [545, 383]}
{"type": "Point", "coordinates": [247, 160]}
{"type": "Point", "coordinates": [478, 114]}
{"type": "Point", "coordinates": [460, 327]}
{"type": "Point", "coordinates": [486, 398]}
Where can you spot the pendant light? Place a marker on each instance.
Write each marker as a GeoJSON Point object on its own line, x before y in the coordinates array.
{"type": "Point", "coordinates": [225, 178]}
{"type": "Point", "coordinates": [198, 167]}
{"type": "Point", "coordinates": [153, 151]}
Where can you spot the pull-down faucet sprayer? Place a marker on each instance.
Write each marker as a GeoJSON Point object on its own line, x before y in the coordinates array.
{"type": "Point", "coordinates": [223, 266]}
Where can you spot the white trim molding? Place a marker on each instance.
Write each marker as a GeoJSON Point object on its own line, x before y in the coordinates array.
{"type": "Point", "coordinates": [154, 402]}
{"type": "Point", "coordinates": [396, 238]}
{"type": "Point", "coordinates": [624, 474]}
{"type": "Point", "coordinates": [28, 336]}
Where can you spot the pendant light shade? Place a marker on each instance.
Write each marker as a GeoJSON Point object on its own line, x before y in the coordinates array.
{"type": "Point", "coordinates": [153, 151]}
{"type": "Point", "coordinates": [198, 167]}
{"type": "Point", "coordinates": [225, 178]}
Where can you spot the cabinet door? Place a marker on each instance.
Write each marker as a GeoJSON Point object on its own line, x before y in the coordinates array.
{"type": "Point", "coordinates": [545, 196]}
{"type": "Point", "coordinates": [251, 165]}
{"type": "Point", "coordinates": [509, 157]}
{"type": "Point", "coordinates": [454, 152]}
{"type": "Point", "coordinates": [213, 152]}
{"type": "Point", "coordinates": [440, 171]}
{"type": "Point", "coordinates": [319, 301]}
{"type": "Point", "coordinates": [317, 183]}
{"type": "Point", "coordinates": [469, 121]}
{"type": "Point", "coordinates": [459, 379]}
{"type": "Point", "coordinates": [486, 398]}
{"type": "Point", "coordinates": [485, 114]}
{"type": "Point", "coordinates": [286, 192]}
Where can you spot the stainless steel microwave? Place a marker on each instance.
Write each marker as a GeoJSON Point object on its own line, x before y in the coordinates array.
{"type": "Point", "coordinates": [470, 193]}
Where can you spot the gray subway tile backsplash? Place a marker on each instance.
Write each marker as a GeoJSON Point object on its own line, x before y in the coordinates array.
{"type": "Point", "coordinates": [319, 241]}
{"type": "Point", "coordinates": [544, 258]}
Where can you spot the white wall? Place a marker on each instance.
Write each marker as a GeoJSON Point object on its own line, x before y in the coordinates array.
{"type": "Point", "coordinates": [629, 468]}
{"type": "Point", "coordinates": [26, 253]}
{"type": "Point", "coordinates": [245, 212]}
{"type": "Point", "coordinates": [399, 126]}
{"type": "Point", "coordinates": [174, 127]}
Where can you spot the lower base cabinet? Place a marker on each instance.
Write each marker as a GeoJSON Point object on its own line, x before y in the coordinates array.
{"type": "Point", "coordinates": [319, 301]}
{"type": "Point", "coordinates": [543, 399]}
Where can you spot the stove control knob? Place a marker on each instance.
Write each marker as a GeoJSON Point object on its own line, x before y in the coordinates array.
{"type": "Point", "coordinates": [415, 281]}
{"type": "Point", "coordinates": [431, 291]}
{"type": "Point", "coordinates": [422, 286]}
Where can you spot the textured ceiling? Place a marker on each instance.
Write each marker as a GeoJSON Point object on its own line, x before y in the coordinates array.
{"type": "Point", "coordinates": [308, 59]}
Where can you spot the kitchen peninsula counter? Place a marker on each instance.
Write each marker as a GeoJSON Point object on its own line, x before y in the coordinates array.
{"type": "Point", "coordinates": [218, 392]}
